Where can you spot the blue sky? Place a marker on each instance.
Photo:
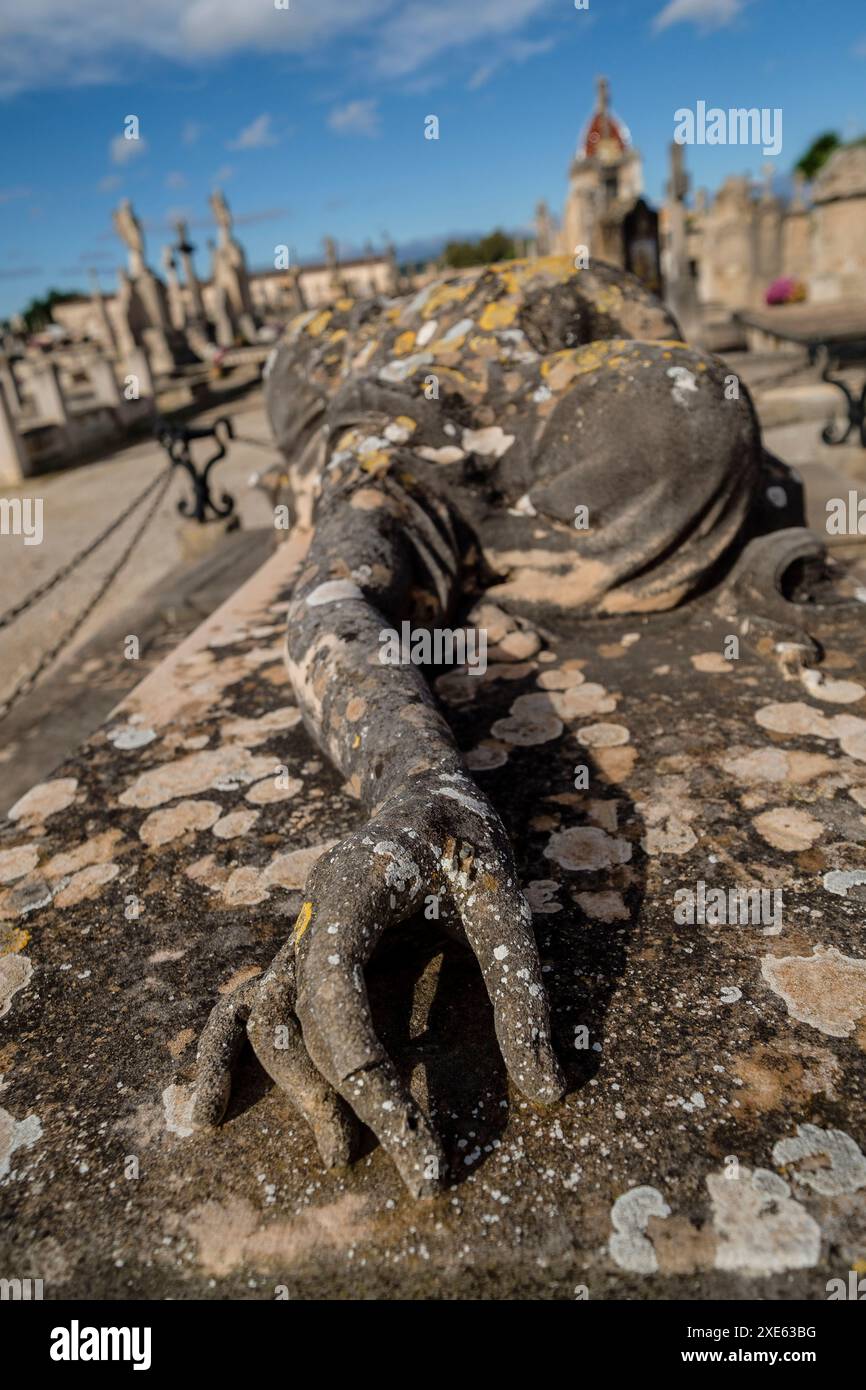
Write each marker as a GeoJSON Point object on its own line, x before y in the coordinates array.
{"type": "Point", "coordinates": [312, 117]}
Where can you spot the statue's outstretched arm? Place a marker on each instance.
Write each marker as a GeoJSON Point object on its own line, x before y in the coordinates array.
{"type": "Point", "coordinates": [382, 552]}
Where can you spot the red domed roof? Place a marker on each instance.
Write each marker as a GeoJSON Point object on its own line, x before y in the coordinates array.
{"type": "Point", "coordinates": [603, 129]}
{"type": "Point", "coordinates": [605, 137]}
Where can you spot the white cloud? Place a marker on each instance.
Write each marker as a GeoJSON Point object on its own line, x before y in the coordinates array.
{"type": "Point", "coordinates": [175, 179]}
{"type": "Point", "coordinates": [123, 150]}
{"type": "Point", "coordinates": [254, 136]}
{"type": "Point", "coordinates": [223, 174]}
{"type": "Point", "coordinates": [355, 118]}
{"type": "Point", "coordinates": [191, 132]}
{"type": "Point", "coordinates": [707, 14]}
{"type": "Point", "coordinates": [515, 51]}
{"type": "Point", "coordinates": [109, 183]}
{"type": "Point", "coordinates": [49, 43]}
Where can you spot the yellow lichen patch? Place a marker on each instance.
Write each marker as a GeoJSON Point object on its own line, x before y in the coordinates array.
{"type": "Point", "coordinates": [338, 336]}
{"type": "Point", "coordinates": [318, 325]}
{"type": "Point", "coordinates": [302, 922]}
{"type": "Point", "coordinates": [12, 940]}
{"type": "Point", "coordinates": [356, 741]}
{"type": "Point", "coordinates": [404, 344]}
{"type": "Point", "coordinates": [377, 461]}
{"type": "Point", "coordinates": [344, 305]}
{"type": "Point", "coordinates": [407, 423]}
{"type": "Point", "coordinates": [499, 314]}
{"type": "Point", "coordinates": [446, 294]}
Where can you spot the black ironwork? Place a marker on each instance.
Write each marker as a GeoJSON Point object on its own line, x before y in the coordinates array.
{"type": "Point", "coordinates": [832, 359]}
{"type": "Point", "coordinates": [176, 438]}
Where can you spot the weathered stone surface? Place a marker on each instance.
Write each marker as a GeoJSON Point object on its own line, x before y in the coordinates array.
{"type": "Point", "coordinates": [691, 1056]}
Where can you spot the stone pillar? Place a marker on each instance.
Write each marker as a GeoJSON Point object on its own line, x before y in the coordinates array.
{"type": "Point", "coordinates": [48, 395]}
{"type": "Point", "coordinates": [14, 462]}
{"type": "Point", "coordinates": [681, 289]}
{"type": "Point", "coordinates": [10, 384]}
{"type": "Point", "coordinates": [223, 318]}
{"type": "Point", "coordinates": [185, 250]}
{"type": "Point", "coordinates": [176, 308]}
{"type": "Point", "coordinates": [544, 236]}
{"type": "Point", "coordinates": [102, 314]}
{"type": "Point", "coordinates": [104, 382]}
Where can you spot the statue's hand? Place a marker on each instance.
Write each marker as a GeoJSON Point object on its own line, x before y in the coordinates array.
{"type": "Point", "coordinates": [308, 1017]}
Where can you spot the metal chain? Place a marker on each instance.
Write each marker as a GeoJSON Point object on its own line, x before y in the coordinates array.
{"type": "Point", "coordinates": [12, 613]}
{"type": "Point", "coordinates": [28, 681]}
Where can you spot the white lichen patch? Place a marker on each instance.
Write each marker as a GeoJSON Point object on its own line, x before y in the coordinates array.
{"type": "Point", "coordinates": [273, 789]}
{"type": "Point", "coordinates": [491, 442]}
{"type": "Point", "coordinates": [161, 827]}
{"type": "Point", "coordinates": [839, 881]}
{"type": "Point", "coordinates": [86, 884]}
{"type": "Point", "coordinates": [603, 735]}
{"type": "Point", "coordinates": [563, 677]}
{"type": "Point", "coordinates": [760, 1228]}
{"type": "Point", "coordinates": [795, 717]}
{"type": "Point", "coordinates": [667, 829]}
{"type": "Point", "coordinates": [16, 1134]}
{"type": "Point", "coordinates": [177, 1103]}
{"type": "Point", "coordinates": [18, 861]}
{"type": "Point", "coordinates": [334, 591]}
{"type": "Point", "coordinates": [541, 896]}
{"type": "Point", "coordinates": [756, 765]}
{"type": "Point", "coordinates": [798, 718]}
{"type": "Point", "coordinates": [844, 1166]}
{"type": "Point", "coordinates": [227, 766]}
{"type": "Point", "coordinates": [826, 990]}
{"type": "Point", "coordinates": [586, 847]}
{"type": "Point", "coordinates": [15, 973]}
{"type": "Point", "coordinates": [787, 828]}
{"type": "Point", "coordinates": [580, 700]}
{"type": "Point", "coordinates": [292, 870]}
{"type": "Point", "coordinates": [531, 721]}
{"type": "Point", "coordinates": [99, 849]}
{"type": "Point", "coordinates": [486, 757]}
{"type": "Point", "coordinates": [823, 687]}
{"type": "Point", "coordinates": [629, 1246]}
{"type": "Point", "coordinates": [45, 799]}
{"type": "Point", "coordinates": [251, 732]}
{"type": "Point", "coordinates": [245, 887]}
{"type": "Point", "coordinates": [712, 663]}
{"type": "Point", "coordinates": [607, 906]}
{"type": "Point", "coordinates": [234, 825]}
{"type": "Point", "coordinates": [128, 737]}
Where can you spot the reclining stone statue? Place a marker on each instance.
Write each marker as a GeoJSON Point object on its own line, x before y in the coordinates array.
{"type": "Point", "coordinates": [523, 440]}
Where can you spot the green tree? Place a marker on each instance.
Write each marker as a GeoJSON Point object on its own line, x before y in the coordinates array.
{"type": "Point", "coordinates": [817, 154]}
{"type": "Point", "coordinates": [496, 246]}
{"type": "Point", "coordinates": [39, 312]}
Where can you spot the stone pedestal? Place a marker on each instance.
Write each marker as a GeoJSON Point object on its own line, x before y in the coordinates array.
{"type": "Point", "coordinates": [13, 455]}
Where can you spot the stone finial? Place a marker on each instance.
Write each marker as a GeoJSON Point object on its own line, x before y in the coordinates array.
{"type": "Point", "coordinates": [128, 228]}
